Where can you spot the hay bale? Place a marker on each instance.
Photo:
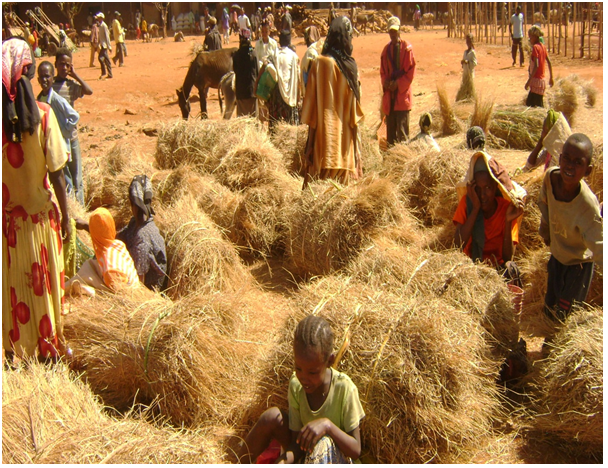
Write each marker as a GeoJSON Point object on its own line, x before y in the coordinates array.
{"type": "Point", "coordinates": [516, 127]}
{"type": "Point", "coordinates": [50, 416]}
{"type": "Point", "coordinates": [529, 238]}
{"type": "Point", "coordinates": [425, 385]}
{"type": "Point", "coordinates": [482, 113]}
{"type": "Point", "coordinates": [450, 124]}
{"type": "Point", "coordinates": [596, 178]}
{"type": "Point", "coordinates": [173, 356]}
{"type": "Point", "coordinates": [331, 224]}
{"type": "Point", "coordinates": [569, 385]}
{"type": "Point", "coordinates": [467, 88]}
{"type": "Point", "coordinates": [199, 258]}
{"type": "Point", "coordinates": [261, 217]}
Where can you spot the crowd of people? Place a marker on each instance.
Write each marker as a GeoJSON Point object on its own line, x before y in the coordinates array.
{"type": "Point", "coordinates": [322, 90]}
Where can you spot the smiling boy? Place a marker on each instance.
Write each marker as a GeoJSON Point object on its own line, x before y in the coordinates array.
{"type": "Point", "coordinates": [571, 224]}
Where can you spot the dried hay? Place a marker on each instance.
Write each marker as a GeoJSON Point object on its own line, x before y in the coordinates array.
{"type": "Point", "coordinates": [196, 48]}
{"type": "Point", "coordinates": [466, 92]}
{"type": "Point", "coordinates": [529, 238]}
{"type": "Point", "coordinates": [331, 224]}
{"type": "Point", "coordinates": [192, 360]}
{"type": "Point", "coordinates": [107, 181]}
{"type": "Point", "coordinates": [199, 258]}
{"type": "Point", "coordinates": [596, 178]}
{"type": "Point", "coordinates": [516, 127]}
{"type": "Point", "coordinates": [427, 181]}
{"type": "Point", "coordinates": [371, 158]}
{"type": "Point", "coordinates": [50, 416]}
{"type": "Point", "coordinates": [564, 98]}
{"type": "Point", "coordinates": [482, 113]}
{"type": "Point", "coordinates": [474, 290]}
{"type": "Point", "coordinates": [291, 142]}
{"type": "Point", "coordinates": [451, 125]}
{"type": "Point", "coordinates": [569, 386]}
{"type": "Point", "coordinates": [420, 366]}
{"type": "Point", "coordinates": [261, 217]}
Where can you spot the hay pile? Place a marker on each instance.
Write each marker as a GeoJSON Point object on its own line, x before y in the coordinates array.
{"type": "Point", "coordinates": [331, 224]}
{"type": "Point", "coordinates": [569, 385]}
{"type": "Point", "coordinates": [291, 142]}
{"type": "Point", "coordinates": [421, 368]}
{"type": "Point", "coordinates": [199, 258]}
{"type": "Point", "coordinates": [482, 113]}
{"type": "Point", "coordinates": [51, 416]}
{"type": "Point", "coordinates": [467, 88]}
{"type": "Point", "coordinates": [516, 127]}
{"type": "Point", "coordinates": [529, 238]}
{"type": "Point", "coordinates": [450, 125]}
{"type": "Point", "coordinates": [596, 179]}
{"type": "Point", "coordinates": [193, 361]}
{"type": "Point", "coordinates": [569, 92]}
{"type": "Point", "coordinates": [107, 180]}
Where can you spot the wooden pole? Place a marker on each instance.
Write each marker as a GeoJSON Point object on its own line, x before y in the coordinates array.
{"type": "Point", "coordinates": [600, 28]}
{"type": "Point", "coordinates": [573, 28]}
{"type": "Point", "coordinates": [566, 34]}
{"type": "Point", "coordinates": [495, 23]}
{"type": "Point", "coordinates": [583, 26]}
{"type": "Point", "coordinates": [559, 30]}
{"type": "Point", "coordinates": [589, 32]}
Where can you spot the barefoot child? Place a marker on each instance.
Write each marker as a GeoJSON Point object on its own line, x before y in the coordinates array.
{"type": "Point", "coordinates": [571, 224]}
{"type": "Point", "coordinates": [322, 425]}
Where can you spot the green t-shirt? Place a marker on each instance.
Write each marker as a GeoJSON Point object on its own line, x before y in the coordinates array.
{"type": "Point", "coordinates": [342, 405]}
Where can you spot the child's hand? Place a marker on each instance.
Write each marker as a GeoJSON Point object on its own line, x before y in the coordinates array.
{"type": "Point", "coordinates": [312, 433]}
{"type": "Point", "coordinates": [72, 73]}
{"type": "Point", "coordinates": [472, 194]}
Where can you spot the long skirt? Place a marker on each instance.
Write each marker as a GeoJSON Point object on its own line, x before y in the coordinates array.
{"type": "Point", "coordinates": [33, 282]}
{"type": "Point", "coordinates": [278, 110]}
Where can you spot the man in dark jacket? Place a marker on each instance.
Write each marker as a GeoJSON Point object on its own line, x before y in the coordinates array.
{"type": "Point", "coordinates": [213, 39]}
{"type": "Point", "coordinates": [245, 76]}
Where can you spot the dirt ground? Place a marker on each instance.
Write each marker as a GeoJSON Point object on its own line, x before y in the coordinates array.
{"type": "Point", "coordinates": [142, 94]}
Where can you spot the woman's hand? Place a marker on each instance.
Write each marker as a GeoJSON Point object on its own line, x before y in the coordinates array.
{"type": "Point", "coordinates": [312, 433]}
{"type": "Point", "coordinates": [81, 224]}
{"type": "Point", "coordinates": [66, 230]}
{"type": "Point", "coordinates": [472, 194]}
{"type": "Point", "coordinates": [527, 86]}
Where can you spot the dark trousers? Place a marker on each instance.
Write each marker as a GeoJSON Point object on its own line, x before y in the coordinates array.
{"type": "Point", "coordinates": [517, 43]}
{"type": "Point", "coordinates": [566, 284]}
{"type": "Point", "coordinates": [247, 107]}
{"type": "Point", "coordinates": [397, 127]}
{"type": "Point", "coordinates": [104, 61]}
{"type": "Point", "coordinates": [534, 100]}
{"type": "Point", "coordinates": [73, 172]}
{"type": "Point", "coordinates": [120, 54]}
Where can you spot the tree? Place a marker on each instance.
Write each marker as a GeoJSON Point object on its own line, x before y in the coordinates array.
{"type": "Point", "coordinates": [163, 7]}
{"type": "Point", "coordinates": [70, 10]}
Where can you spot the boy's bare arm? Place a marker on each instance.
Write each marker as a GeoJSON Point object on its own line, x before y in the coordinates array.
{"type": "Point", "coordinates": [348, 443]}
{"type": "Point", "coordinates": [86, 89]}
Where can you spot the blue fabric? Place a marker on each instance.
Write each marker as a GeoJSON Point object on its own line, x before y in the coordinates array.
{"type": "Point", "coordinates": [67, 117]}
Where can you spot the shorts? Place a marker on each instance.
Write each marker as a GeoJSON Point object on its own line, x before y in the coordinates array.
{"type": "Point", "coordinates": [566, 284]}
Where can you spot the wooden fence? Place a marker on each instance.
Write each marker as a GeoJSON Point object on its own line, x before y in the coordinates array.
{"type": "Point", "coordinates": [572, 30]}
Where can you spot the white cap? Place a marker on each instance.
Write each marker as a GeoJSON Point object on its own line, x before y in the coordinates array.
{"type": "Point", "coordinates": [100, 15]}
{"type": "Point", "coordinates": [393, 23]}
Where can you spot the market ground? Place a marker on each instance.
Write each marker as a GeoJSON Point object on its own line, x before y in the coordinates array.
{"type": "Point", "coordinates": [142, 93]}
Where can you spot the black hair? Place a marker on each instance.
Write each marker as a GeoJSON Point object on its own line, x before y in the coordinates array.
{"type": "Point", "coordinates": [63, 51]}
{"type": "Point", "coordinates": [583, 142]}
{"type": "Point", "coordinates": [46, 63]}
{"type": "Point", "coordinates": [314, 332]}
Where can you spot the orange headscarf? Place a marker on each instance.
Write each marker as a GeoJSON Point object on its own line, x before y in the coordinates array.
{"type": "Point", "coordinates": [112, 255]}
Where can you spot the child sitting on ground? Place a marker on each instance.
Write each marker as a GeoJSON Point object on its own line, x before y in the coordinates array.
{"type": "Point", "coordinates": [571, 224]}
{"type": "Point", "coordinates": [322, 425]}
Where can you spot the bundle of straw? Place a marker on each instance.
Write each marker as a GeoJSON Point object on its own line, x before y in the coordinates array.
{"type": "Point", "coordinates": [290, 140]}
{"type": "Point", "coordinates": [260, 220]}
{"type": "Point", "coordinates": [529, 238]}
{"type": "Point", "coordinates": [564, 98]}
{"type": "Point", "coordinates": [482, 113]}
{"type": "Point", "coordinates": [50, 416]}
{"type": "Point", "coordinates": [186, 359]}
{"type": "Point", "coordinates": [517, 127]}
{"type": "Point", "coordinates": [596, 179]}
{"type": "Point", "coordinates": [199, 259]}
{"type": "Point", "coordinates": [331, 224]}
{"type": "Point", "coordinates": [467, 87]}
{"type": "Point", "coordinates": [427, 390]}
{"type": "Point", "coordinates": [200, 143]}
{"type": "Point", "coordinates": [450, 124]}
{"type": "Point", "coordinates": [569, 385]}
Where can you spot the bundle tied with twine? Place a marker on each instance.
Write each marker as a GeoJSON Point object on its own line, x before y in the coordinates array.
{"type": "Point", "coordinates": [199, 258]}
{"type": "Point", "coordinates": [569, 385]}
{"type": "Point", "coordinates": [49, 415]}
{"type": "Point", "coordinates": [424, 378]}
{"type": "Point", "coordinates": [192, 361]}
{"type": "Point", "coordinates": [467, 87]}
{"type": "Point", "coordinates": [331, 223]}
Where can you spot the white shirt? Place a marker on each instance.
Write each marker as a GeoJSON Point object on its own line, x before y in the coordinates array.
{"type": "Point", "coordinates": [262, 51]}
{"type": "Point", "coordinates": [518, 25]}
{"type": "Point", "coordinates": [288, 74]}
{"type": "Point", "coordinates": [244, 22]}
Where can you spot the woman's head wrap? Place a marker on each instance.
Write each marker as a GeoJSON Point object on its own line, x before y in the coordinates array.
{"type": "Point", "coordinates": [476, 138]}
{"type": "Point", "coordinates": [285, 38]}
{"type": "Point", "coordinates": [311, 34]}
{"type": "Point", "coordinates": [339, 46]}
{"type": "Point", "coordinates": [140, 194]}
{"type": "Point", "coordinates": [19, 110]}
{"type": "Point", "coordinates": [536, 31]}
{"type": "Point", "coordinates": [102, 230]}
{"type": "Point", "coordinates": [426, 120]}
{"type": "Point", "coordinates": [550, 120]}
